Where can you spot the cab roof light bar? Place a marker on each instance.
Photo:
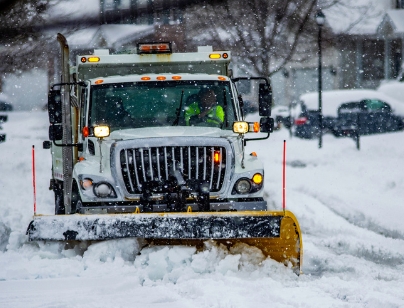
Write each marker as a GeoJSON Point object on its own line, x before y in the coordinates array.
{"type": "Point", "coordinates": [154, 48]}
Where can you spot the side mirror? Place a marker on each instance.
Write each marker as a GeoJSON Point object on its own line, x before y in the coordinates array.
{"type": "Point", "coordinates": [266, 125]}
{"type": "Point", "coordinates": [54, 107]}
{"type": "Point", "coordinates": [55, 132]}
{"type": "Point", "coordinates": [265, 100]}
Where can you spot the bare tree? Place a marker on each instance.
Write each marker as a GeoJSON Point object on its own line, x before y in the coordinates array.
{"type": "Point", "coordinates": [263, 34]}
{"type": "Point", "coordinates": [22, 47]}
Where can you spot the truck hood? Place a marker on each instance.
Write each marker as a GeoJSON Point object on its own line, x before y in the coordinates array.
{"type": "Point", "coordinates": [169, 131]}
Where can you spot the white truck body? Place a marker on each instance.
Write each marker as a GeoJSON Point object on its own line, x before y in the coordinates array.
{"type": "Point", "coordinates": [98, 161]}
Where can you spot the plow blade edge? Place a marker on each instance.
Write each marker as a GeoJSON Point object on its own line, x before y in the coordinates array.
{"type": "Point", "coordinates": [276, 233]}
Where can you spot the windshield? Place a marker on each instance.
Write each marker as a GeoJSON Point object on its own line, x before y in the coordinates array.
{"type": "Point", "coordinates": [162, 103]}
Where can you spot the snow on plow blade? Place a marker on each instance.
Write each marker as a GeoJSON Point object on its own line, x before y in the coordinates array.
{"type": "Point", "coordinates": [276, 233]}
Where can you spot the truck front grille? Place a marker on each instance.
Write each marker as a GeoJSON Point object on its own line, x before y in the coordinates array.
{"type": "Point", "coordinates": [140, 165]}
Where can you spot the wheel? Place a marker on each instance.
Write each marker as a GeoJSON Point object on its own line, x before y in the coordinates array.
{"type": "Point", "coordinates": [59, 201]}
{"type": "Point", "coordinates": [76, 200]}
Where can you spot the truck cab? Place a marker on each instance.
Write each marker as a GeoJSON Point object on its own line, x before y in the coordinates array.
{"type": "Point", "coordinates": [139, 141]}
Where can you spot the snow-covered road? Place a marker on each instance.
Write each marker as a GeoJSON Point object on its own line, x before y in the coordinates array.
{"type": "Point", "coordinates": [350, 205]}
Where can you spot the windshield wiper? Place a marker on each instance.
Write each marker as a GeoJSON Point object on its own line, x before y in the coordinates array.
{"type": "Point", "coordinates": [177, 117]}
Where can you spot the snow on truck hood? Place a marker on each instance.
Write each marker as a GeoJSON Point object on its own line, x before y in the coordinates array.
{"type": "Point", "coordinates": [170, 131]}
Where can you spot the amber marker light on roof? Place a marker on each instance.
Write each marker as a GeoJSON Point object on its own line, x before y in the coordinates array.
{"type": "Point", "coordinates": [145, 78]}
{"type": "Point", "coordinates": [215, 56]}
{"type": "Point", "coordinates": [221, 78]}
{"type": "Point", "coordinates": [99, 81]}
{"type": "Point", "coordinates": [93, 59]}
{"type": "Point", "coordinates": [161, 78]}
{"type": "Point", "coordinates": [176, 77]}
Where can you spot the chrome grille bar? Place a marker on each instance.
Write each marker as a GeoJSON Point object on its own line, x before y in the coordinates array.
{"type": "Point", "coordinates": [139, 165]}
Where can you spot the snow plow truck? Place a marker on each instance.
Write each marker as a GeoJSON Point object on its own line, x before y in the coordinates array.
{"type": "Point", "coordinates": [135, 154]}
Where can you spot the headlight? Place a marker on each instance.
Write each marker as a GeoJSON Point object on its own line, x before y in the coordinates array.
{"type": "Point", "coordinates": [104, 190]}
{"type": "Point", "coordinates": [101, 131]}
{"type": "Point", "coordinates": [86, 183]}
{"type": "Point", "coordinates": [243, 186]}
{"type": "Point", "coordinates": [240, 127]}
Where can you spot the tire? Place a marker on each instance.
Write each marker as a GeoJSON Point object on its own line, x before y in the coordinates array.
{"type": "Point", "coordinates": [59, 200]}
{"type": "Point", "coordinates": [76, 199]}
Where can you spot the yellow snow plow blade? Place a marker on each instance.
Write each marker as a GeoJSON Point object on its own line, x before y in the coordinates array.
{"type": "Point", "coordinates": [276, 233]}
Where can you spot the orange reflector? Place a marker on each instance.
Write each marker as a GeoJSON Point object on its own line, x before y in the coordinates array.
{"type": "Point", "coordinates": [215, 56]}
{"type": "Point", "coordinates": [216, 157]}
{"type": "Point", "coordinates": [93, 59]}
{"type": "Point", "coordinates": [83, 59]}
{"type": "Point", "coordinates": [145, 78]}
{"type": "Point", "coordinates": [85, 131]}
{"type": "Point", "coordinates": [81, 158]}
{"type": "Point", "coordinates": [221, 78]}
{"type": "Point", "coordinates": [225, 56]}
{"type": "Point", "coordinates": [253, 154]}
{"type": "Point", "coordinates": [176, 77]}
{"type": "Point", "coordinates": [161, 78]}
{"type": "Point", "coordinates": [99, 81]}
{"type": "Point", "coordinates": [257, 178]}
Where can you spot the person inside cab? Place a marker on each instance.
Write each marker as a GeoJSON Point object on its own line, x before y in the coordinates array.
{"type": "Point", "coordinates": [205, 111]}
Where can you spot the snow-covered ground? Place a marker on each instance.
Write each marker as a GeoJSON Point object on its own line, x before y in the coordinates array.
{"type": "Point", "coordinates": [350, 205]}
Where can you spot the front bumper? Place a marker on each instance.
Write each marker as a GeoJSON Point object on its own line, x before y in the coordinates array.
{"type": "Point", "coordinates": [248, 204]}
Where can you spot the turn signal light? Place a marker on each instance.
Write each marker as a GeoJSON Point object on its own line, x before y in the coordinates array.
{"type": "Point", "coordinates": [257, 178]}
{"type": "Point", "coordinates": [85, 131]}
{"type": "Point", "coordinates": [254, 127]}
{"type": "Point", "coordinates": [216, 157]}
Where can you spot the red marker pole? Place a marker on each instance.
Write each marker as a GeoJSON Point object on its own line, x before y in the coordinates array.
{"type": "Point", "coordinates": [284, 177]}
{"type": "Point", "coordinates": [33, 177]}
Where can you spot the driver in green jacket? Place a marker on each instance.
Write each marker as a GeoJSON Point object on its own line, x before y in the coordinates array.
{"type": "Point", "coordinates": [207, 112]}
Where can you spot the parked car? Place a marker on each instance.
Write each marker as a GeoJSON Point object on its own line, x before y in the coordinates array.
{"type": "Point", "coordinates": [369, 116]}
{"type": "Point", "coordinates": [374, 112]}
{"type": "Point", "coordinates": [5, 104]}
{"type": "Point", "coordinates": [281, 116]}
